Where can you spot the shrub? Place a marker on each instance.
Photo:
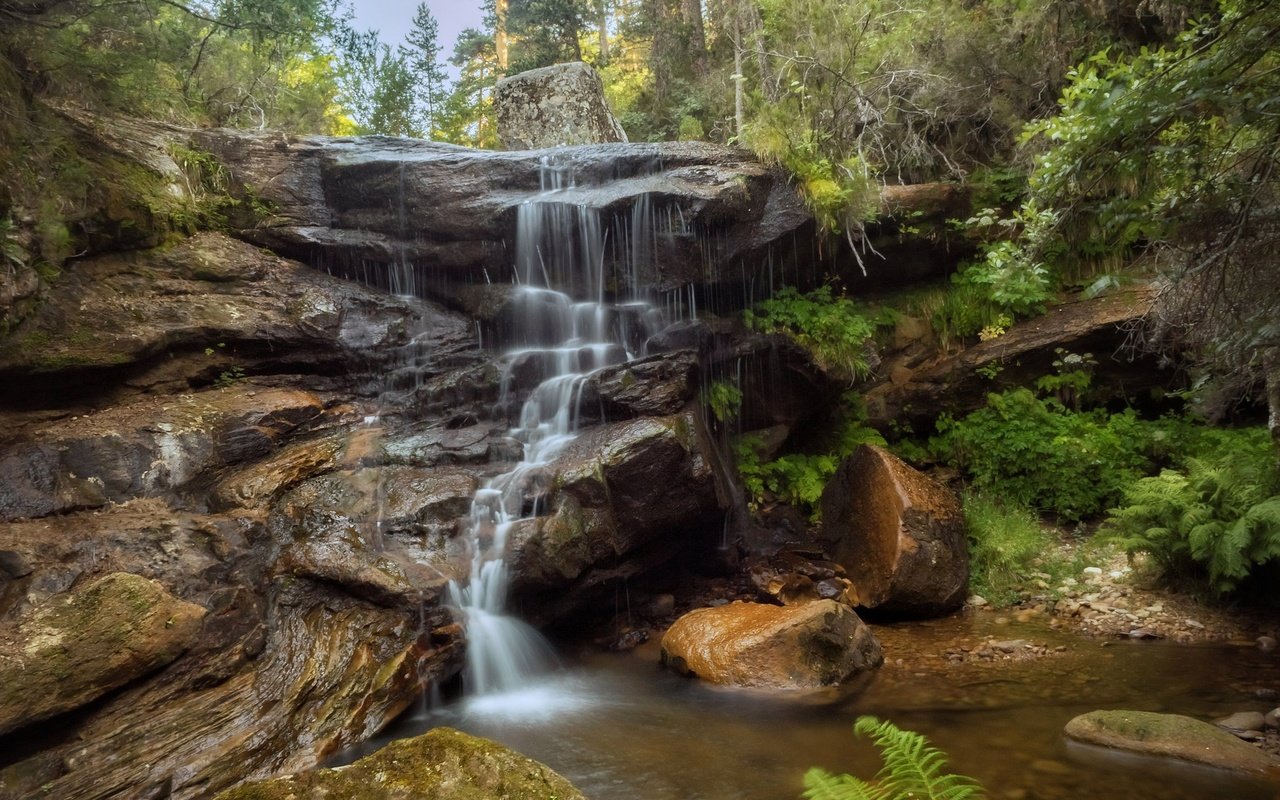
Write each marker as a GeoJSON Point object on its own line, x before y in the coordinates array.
{"type": "Point", "coordinates": [1213, 522]}
{"type": "Point", "coordinates": [832, 329]}
{"type": "Point", "coordinates": [1040, 453]}
{"type": "Point", "coordinates": [912, 769]}
{"type": "Point", "coordinates": [799, 478]}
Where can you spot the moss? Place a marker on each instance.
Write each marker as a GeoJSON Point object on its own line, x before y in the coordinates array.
{"type": "Point", "coordinates": [443, 764]}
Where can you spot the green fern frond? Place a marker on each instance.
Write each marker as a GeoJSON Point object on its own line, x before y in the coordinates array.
{"type": "Point", "coordinates": [822, 785]}
{"type": "Point", "coordinates": [913, 770]}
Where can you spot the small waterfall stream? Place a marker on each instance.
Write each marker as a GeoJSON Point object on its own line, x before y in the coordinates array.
{"type": "Point", "coordinates": [565, 330]}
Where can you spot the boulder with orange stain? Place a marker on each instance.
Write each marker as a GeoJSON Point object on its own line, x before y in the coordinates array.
{"type": "Point", "coordinates": [899, 534]}
{"type": "Point", "coordinates": [796, 647]}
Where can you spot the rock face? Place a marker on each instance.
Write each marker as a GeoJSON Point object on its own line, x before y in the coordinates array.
{"type": "Point", "coordinates": [899, 534]}
{"type": "Point", "coordinates": [293, 456]}
{"type": "Point", "coordinates": [1170, 735]}
{"type": "Point", "coordinates": [443, 764]}
{"type": "Point", "coordinates": [797, 647]}
{"type": "Point", "coordinates": [627, 498]}
{"type": "Point", "coordinates": [554, 106]}
{"type": "Point", "coordinates": [80, 645]}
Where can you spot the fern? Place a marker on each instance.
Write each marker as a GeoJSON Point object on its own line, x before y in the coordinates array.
{"type": "Point", "coordinates": [1216, 520]}
{"type": "Point", "coordinates": [912, 769]}
{"type": "Point", "coordinates": [823, 785]}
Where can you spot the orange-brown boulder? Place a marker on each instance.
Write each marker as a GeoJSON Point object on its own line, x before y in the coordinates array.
{"type": "Point", "coordinates": [899, 534]}
{"type": "Point", "coordinates": [773, 647]}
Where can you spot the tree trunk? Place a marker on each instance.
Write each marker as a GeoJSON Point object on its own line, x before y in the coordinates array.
{"type": "Point", "coordinates": [500, 45]}
{"type": "Point", "coordinates": [602, 25]}
{"type": "Point", "coordinates": [1271, 368]}
{"type": "Point", "coordinates": [691, 16]}
{"type": "Point", "coordinates": [739, 113]}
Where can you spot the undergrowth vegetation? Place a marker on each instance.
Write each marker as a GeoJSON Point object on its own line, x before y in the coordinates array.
{"type": "Point", "coordinates": [1215, 520]}
{"type": "Point", "coordinates": [799, 478]}
{"type": "Point", "coordinates": [1209, 519]}
{"type": "Point", "coordinates": [913, 770]}
{"type": "Point", "coordinates": [1007, 542]}
{"type": "Point", "coordinates": [834, 330]}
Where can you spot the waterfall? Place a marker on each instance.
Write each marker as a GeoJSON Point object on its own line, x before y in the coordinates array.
{"type": "Point", "coordinates": [565, 330]}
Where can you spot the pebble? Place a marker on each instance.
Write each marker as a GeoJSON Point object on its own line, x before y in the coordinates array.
{"type": "Point", "coordinates": [1242, 721]}
{"type": "Point", "coordinates": [977, 600]}
{"type": "Point", "coordinates": [1272, 718]}
{"type": "Point", "coordinates": [1266, 643]}
{"type": "Point", "coordinates": [1191, 623]}
{"type": "Point", "coordinates": [1050, 767]}
{"type": "Point", "coordinates": [1095, 572]}
{"type": "Point", "coordinates": [1010, 646]}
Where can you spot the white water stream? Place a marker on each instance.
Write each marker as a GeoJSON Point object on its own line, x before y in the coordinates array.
{"type": "Point", "coordinates": [565, 330]}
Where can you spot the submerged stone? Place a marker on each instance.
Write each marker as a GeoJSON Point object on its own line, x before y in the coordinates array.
{"type": "Point", "coordinates": [1170, 735]}
{"type": "Point", "coordinates": [805, 646]}
{"type": "Point", "coordinates": [442, 764]}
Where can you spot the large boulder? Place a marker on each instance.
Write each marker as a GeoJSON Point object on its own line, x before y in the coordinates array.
{"type": "Point", "coordinates": [899, 534]}
{"type": "Point", "coordinates": [1170, 735]}
{"type": "Point", "coordinates": [442, 764]}
{"type": "Point", "coordinates": [80, 645]}
{"type": "Point", "coordinates": [796, 647]}
{"type": "Point", "coordinates": [554, 106]}
{"type": "Point", "coordinates": [623, 499]}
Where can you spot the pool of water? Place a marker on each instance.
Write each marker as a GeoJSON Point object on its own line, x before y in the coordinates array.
{"type": "Point", "coordinates": [620, 727]}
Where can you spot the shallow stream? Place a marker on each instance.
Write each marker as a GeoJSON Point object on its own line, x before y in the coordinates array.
{"type": "Point", "coordinates": [622, 728]}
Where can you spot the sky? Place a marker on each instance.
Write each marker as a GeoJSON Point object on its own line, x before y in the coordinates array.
{"type": "Point", "coordinates": [393, 18]}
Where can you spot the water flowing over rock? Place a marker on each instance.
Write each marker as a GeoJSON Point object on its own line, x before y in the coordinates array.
{"type": "Point", "coordinates": [434, 219]}
{"type": "Point", "coordinates": [899, 534]}
{"type": "Point", "coordinates": [443, 764]}
{"type": "Point", "coordinates": [554, 106]}
{"type": "Point", "coordinates": [1170, 735]}
{"type": "Point", "coordinates": [806, 646]}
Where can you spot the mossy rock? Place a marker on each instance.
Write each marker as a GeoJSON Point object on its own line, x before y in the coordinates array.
{"type": "Point", "coordinates": [442, 764]}
{"type": "Point", "coordinates": [1170, 735]}
{"type": "Point", "coordinates": [82, 644]}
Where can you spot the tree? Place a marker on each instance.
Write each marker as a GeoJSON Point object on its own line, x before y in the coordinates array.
{"type": "Point", "coordinates": [423, 57]}
{"type": "Point", "coordinates": [223, 62]}
{"type": "Point", "coordinates": [377, 84]}
{"type": "Point", "coordinates": [466, 118]}
{"type": "Point", "coordinates": [1175, 152]}
{"type": "Point", "coordinates": [545, 32]}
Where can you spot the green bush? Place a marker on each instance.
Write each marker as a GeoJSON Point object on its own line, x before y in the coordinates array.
{"type": "Point", "coordinates": [832, 329]}
{"type": "Point", "coordinates": [1215, 521]}
{"type": "Point", "coordinates": [1039, 453]}
{"type": "Point", "coordinates": [1006, 542]}
{"type": "Point", "coordinates": [799, 478]}
{"type": "Point", "coordinates": [913, 770]}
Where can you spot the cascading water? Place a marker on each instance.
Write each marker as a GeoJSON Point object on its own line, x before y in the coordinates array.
{"type": "Point", "coordinates": [565, 330]}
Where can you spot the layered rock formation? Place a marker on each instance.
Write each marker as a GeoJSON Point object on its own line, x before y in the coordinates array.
{"type": "Point", "coordinates": [277, 463]}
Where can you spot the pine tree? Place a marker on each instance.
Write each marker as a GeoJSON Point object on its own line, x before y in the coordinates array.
{"type": "Point", "coordinates": [423, 57]}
